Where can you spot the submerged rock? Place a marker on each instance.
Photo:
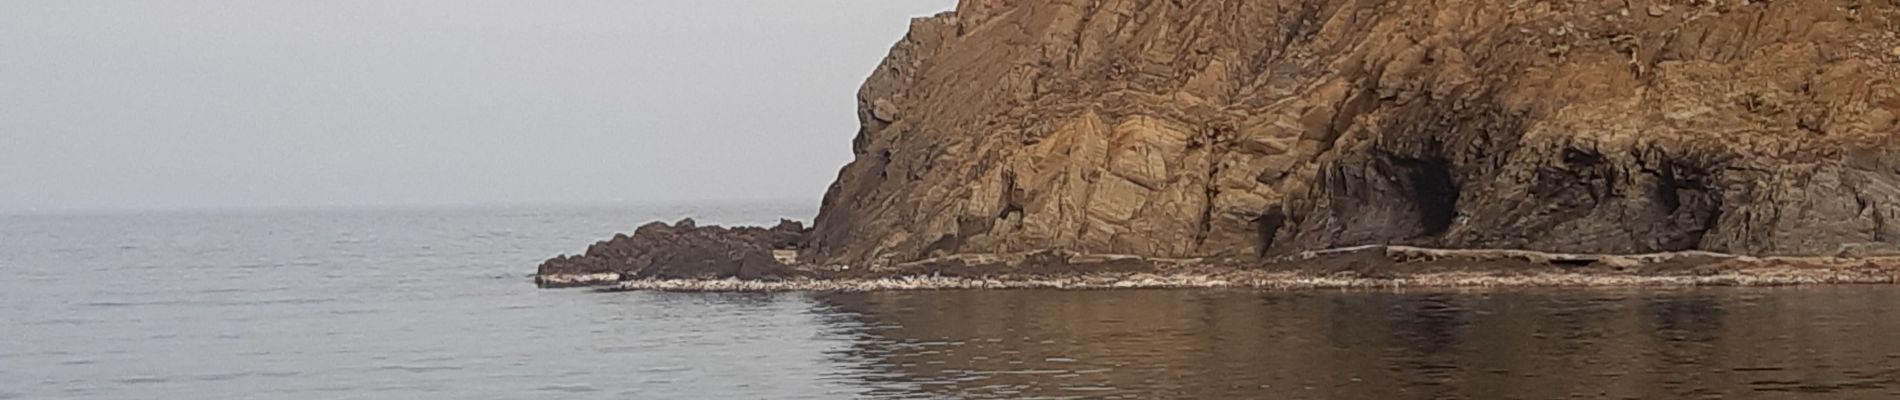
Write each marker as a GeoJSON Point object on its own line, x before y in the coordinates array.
{"type": "Point", "coordinates": [683, 250]}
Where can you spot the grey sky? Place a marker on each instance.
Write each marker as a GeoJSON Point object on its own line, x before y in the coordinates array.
{"type": "Point", "coordinates": [247, 103]}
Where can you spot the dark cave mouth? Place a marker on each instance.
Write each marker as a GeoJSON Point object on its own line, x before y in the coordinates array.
{"type": "Point", "coordinates": [1433, 193]}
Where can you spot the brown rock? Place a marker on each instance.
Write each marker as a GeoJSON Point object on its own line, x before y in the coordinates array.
{"type": "Point", "coordinates": [884, 110]}
{"type": "Point", "coordinates": [1243, 127]}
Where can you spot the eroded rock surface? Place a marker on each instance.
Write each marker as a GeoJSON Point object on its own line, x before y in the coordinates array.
{"type": "Point", "coordinates": [682, 250]}
{"type": "Point", "coordinates": [1260, 127]}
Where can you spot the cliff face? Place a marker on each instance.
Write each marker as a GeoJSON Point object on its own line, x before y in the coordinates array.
{"type": "Point", "coordinates": [1245, 127]}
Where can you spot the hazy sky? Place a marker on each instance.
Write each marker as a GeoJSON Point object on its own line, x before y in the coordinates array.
{"type": "Point", "coordinates": [247, 103]}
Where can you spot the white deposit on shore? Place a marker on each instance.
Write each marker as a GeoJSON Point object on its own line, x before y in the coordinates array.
{"type": "Point", "coordinates": [1274, 281]}
{"type": "Point", "coordinates": [568, 280]}
{"type": "Point", "coordinates": [1362, 267]}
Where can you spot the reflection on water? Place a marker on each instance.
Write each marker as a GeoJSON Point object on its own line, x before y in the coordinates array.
{"type": "Point", "coordinates": [1834, 343]}
{"type": "Point", "coordinates": [436, 304]}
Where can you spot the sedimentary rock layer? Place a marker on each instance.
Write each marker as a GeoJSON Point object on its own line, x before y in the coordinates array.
{"type": "Point", "coordinates": [1244, 128]}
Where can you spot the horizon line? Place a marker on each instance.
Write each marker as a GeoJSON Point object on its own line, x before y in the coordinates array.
{"type": "Point", "coordinates": [237, 209]}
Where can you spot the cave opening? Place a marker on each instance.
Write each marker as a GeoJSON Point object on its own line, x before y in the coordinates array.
{"type": "Point", "coordinates": [1434, 193]}
{"type": "Point", "coordinates": [1668, 189]}
{"type": "Point", "coordinates": [1690, 202]}
{"type": "Point", "coordinates": [1266, 227]}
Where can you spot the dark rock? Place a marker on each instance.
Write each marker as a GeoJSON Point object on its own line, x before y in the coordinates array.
{"type": "Point", "coordinates": [685, 250]}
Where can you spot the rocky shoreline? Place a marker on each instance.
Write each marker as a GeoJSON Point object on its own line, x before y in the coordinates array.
{"type": "Point", "coordinates": [1270, 281]}
{"type": "Point", "coordinates": [1360, 267]}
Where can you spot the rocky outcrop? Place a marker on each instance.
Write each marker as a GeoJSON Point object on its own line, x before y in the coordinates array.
{"type": "Point", "coordinates": [1263, 127]}
{"type": "Point", "coordinates": [682, 250]}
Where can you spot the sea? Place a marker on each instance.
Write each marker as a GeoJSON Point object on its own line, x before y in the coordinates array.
{"type": "Point", "coordinates": [440, 304]}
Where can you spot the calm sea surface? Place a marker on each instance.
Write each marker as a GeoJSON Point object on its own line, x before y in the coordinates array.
{"type": "Point", "coordinates": [438, 305]}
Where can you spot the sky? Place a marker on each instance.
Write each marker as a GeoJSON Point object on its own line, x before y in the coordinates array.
{"type": "Point", "coordinates": [240, 104]}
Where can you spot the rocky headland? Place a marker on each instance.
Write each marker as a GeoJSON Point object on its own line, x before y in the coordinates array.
{"type": "Point", "coordinates": [1337, 143]}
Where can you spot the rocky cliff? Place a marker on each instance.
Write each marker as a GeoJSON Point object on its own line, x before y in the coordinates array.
{"type": "Point", "coordinates": [1191, 128]}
